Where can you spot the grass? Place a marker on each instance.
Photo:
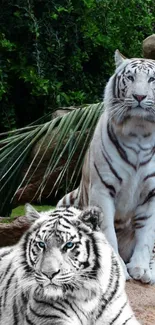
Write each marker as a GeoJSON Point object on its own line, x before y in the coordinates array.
{"type": "Point", "coordinates": [20, 211]}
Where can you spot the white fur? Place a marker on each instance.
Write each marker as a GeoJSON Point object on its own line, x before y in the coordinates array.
{"type": "Point", "coordinates": [81, 306]}
{"type": "Point", "coordinates": [134, 129]}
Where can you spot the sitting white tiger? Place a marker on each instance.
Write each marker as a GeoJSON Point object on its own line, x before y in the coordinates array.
{"type": "Point", "coordinates": [119, 168]}
{"type": "Point", "coordinates": [62, 272]}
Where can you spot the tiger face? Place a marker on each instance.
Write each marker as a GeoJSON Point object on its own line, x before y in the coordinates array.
{"type": "Point", "coordinates": [60, 250]}
{"type": "Point", "coordinates": [130, 93]}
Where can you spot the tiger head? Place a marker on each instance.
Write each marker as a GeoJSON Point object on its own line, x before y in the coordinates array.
{"type": "Point", "coordinates": [60, 249]}
{"type": "Point", "coordinates": [130, 92]}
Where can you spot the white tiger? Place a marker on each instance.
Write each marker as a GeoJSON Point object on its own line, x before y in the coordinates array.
{"type": "Point", "coordinates": [63, 272]}
{"type": "Point", "coordinates": [119, 168]}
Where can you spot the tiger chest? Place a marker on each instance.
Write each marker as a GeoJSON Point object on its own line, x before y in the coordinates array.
{"type": "Point", "coordinates": [134, 189]}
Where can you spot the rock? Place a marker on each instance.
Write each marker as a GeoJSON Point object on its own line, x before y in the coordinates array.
{"type": "Point", "coordinates": [149, 47]}
{"type": "Point", "coordinates": [11, 232]}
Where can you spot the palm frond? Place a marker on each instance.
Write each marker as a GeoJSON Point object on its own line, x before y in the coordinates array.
{"type": "Point", "coordinates": [65, 134]}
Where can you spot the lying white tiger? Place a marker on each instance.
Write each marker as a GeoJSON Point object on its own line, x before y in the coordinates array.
{"type": "Point", "coordinates": [62, 272]}
{"type": "Point", "coordinates": [119, 168]}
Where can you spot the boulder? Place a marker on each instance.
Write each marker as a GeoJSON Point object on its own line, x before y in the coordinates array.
{"type": "Point", "coordinates": [148, 47]}
{"type": "Point", "coordinates": [11, 232]}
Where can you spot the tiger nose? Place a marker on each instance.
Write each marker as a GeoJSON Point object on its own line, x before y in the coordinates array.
{"type": "Point", "coordinates": [139, 98]}
{"type": "Point", "coordinates": [51, 275]}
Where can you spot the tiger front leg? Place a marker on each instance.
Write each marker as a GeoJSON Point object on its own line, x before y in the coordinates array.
{"type": "Point", "coordinates": [139, 265]}
{"type": "Point", "coordinates": [101, 198]}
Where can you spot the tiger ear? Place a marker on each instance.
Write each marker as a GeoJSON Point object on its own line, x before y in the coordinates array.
{"type": "Point", "coordinates": [91, 217]}
{"type": "Point", "coordinates": [119, 58]}
{"type": "Point", "coordinates": [31, 213]}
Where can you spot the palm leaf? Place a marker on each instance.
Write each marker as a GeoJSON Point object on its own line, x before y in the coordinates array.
{"type": "Point", "coordinates": [65, 133]}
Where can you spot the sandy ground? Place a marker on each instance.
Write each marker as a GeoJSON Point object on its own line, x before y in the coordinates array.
{"type": "Point", "coordinates": [142, 300]}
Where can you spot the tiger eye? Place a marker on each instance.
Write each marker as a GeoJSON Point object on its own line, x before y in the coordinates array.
{"type": "Point", "coordinates": [41, 244]}
{"type": "Point", "coordinates": [69, 245]}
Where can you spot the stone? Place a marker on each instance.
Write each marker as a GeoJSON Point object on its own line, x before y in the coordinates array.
{"type": "Point", "coordinates": [11, 232]}
{"type": "Point", "coordinates": [148, 47]}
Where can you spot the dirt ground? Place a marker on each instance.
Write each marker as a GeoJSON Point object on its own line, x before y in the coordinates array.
{"type": "Point", "coordinates": [142, 300]}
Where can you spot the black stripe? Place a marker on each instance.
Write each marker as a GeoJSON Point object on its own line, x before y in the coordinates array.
{"type": "Point", "coordinates": [117, 274]}
{"type": "Point", "coordinates": [86, 263]}
{"type": "Point", "coordinates": [118, 314]}
{"type": "Point", "coordinates": [145, 149]}
{"type": "Point", "coordinates": [127, 320]}
{"type": "Point", "coordinates": [141, 218]}
{"type": "Point", "coordinates": [139, 226]}
{"type": "Point", "coordinates": [111, 168]}
{"type": "Point", "coordinates": [64, 218]}
{"type": "Point", "coordinates": [114, 85]}
{"type": "Point", "coordinates": [29, 321]}
{"type": "Point", "coordinates": [24, 262]}
{"type": "Point", "coordinates": [131, 148]}
{"type": "Point", "coordinates": [66, 227]}
{"type": "Point", "coordinates": [24, 299]}
{"type": "Point", "coordinates": [96, 254]}
{"type": "Point", "coordinates": [81, 311]}
{"type": "Point", "coordinates": [15, 312]}
{"type": "Point", "coordinates": [45, 303]}
{"type": "Point", "coordinates": [5, 253]}
{"type": "Point", "coordinates": [113, 280]}
{"type": "Point", "coordinates": [146, 135]}
{"type": "Point", "coordinates": [5, 272]}
{"type": "Point", "coordinates": [117, 145]}
{"type": "Point", "coordinates": [44, 316]}
{"type": "Point", "coordinates": [30, 251]}
{"type": "Point", "coordinates": [138, 220]}
{"type": "Point", "coordinates": [111, 188]}
{"type": "Point", "coordinates": [146, 161]}
{"type": "Point", "coordinates": [150, 195]}
{"type": "Point", "coordinates": [149, 176]}
{"type": "Point", "coordinates": [6, 289]}
{"type": "Point", "coordinates": [68, 215]}
{"type": "Point", "coordinates": [71, 307]}
{"type": "Point", "coordinates": [118, 87]}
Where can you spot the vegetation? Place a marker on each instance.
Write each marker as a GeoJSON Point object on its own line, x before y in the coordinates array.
{"type": "Point", "coordinates": [64, 133]}
{"type": "Point", "coordinates": [20, 211]}
{"type": "Point", "coordinates": [58, 53]}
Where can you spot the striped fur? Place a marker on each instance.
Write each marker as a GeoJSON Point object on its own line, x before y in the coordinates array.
{"type": "Point", "coordinates": [119, 168]}
{"type": "Point", "coordinates": [63, 272]}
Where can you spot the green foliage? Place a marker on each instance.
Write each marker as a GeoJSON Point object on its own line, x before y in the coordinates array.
{"type": "Point", "coordinates": [59, 53]}
{"type": "Point", "coordinates": [20, 211]}
{"type": "Point", "coordinates": [62, 134]}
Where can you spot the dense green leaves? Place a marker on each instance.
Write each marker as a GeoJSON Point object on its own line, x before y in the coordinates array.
{"type": "Point", "coordinates": [59, 53]}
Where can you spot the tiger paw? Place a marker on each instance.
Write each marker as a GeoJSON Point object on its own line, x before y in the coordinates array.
{"type": "Point", "coordinates": [140, 273]}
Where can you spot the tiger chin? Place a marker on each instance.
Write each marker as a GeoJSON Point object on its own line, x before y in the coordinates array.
{"type": "Point", "coordinates": [63, 272]}
{"type": "Point", "coordinates": [118, 174]}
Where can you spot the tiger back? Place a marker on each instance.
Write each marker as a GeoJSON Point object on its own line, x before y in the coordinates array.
{"type": "Point", "coordinates": [63, 272]}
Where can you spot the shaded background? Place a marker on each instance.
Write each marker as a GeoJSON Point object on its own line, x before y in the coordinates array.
{"type": "Point", "coordinates": [60, 52]}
